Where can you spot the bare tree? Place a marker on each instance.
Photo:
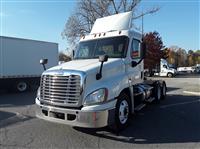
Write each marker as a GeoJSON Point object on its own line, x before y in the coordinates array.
{"type": "Point", "coordinates": [87, 11]}
{"type": "Point", "coordinates": [64, 57]}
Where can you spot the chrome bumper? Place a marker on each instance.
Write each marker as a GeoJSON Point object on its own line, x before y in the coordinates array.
{"type": "Point", "coordinates": [95, 116]}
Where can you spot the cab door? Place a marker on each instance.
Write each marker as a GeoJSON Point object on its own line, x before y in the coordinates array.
{"type": "Point", "coordinates": [135, 74]}
{"type": "Point", "coordinates": [163, 70]}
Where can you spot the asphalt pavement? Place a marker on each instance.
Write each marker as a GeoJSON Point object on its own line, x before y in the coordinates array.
{"type": "Point", "coordinates": [174, 123]}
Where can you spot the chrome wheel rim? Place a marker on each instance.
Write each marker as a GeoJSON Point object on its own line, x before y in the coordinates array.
{"type": "Point", "coordinates": [123, 112]}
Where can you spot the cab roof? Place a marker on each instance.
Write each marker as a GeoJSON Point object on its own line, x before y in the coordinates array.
{"type": "Point", "coordinates": [117, 22]}
{"type": "Point", "coordinates": [113, 26]}
{"type": "Point", "coordinates": [128, 33]}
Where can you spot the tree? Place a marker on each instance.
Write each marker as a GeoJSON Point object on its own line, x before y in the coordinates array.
{"type": "Point", "coordinates": [165, 53]}
{"type": "Point", "coordinates": [177, 56]}
{"type": "Point", "coordinates": [193, 57]}
{"type": "Point", "coordinates": [87, 11]}
{"type": "Point", "coordinates": [197, 57]}
{"type": "Point", "coordinates": [154, 45]}
{"type": "Point", "coordinates": [64, 57]}
{"type": "Point", "coordinates": [181, 57]}
{"type": "Point", "coordinates": [172, 55]}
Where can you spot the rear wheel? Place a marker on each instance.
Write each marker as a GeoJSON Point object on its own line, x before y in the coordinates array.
{"type": "Point", "coordinates": [122, 112]}
{"type": "Point", "coordinates": [21, 86]}
{"type": "Point", "coordinates": [164, 90]}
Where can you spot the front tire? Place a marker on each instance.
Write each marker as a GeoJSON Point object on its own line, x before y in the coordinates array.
{"type": "Point", "coordinates": [122, 112]}
{"type": "Point", "coordinates": [170, 75]}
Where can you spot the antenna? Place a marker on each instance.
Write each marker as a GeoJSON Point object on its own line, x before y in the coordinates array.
{"type": "Point", "coordinates": [114, 6]}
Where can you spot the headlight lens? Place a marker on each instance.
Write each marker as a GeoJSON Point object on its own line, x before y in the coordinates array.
{"type": "Point", "coordinates": [97, 96]}
{"type": "Point", "coordinates": [38, 92]}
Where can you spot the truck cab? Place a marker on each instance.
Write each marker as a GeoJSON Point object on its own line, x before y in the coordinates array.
{"type": "Point", "coordinates": [104, 83]}
{"type": "Point", "coordinates": [165, 70]}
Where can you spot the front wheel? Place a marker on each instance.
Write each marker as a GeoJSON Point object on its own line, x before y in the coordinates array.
{"type": "Point", "coordinates": [122, 113]}
{"type": "Point", "coordinates": [170, 75]}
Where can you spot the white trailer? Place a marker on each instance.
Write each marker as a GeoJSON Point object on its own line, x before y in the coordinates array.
{"type": "Point", "coordinates": [19, 61]}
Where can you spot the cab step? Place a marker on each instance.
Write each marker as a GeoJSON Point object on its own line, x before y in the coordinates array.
{"type": "Point", "coordinates": [151, 99]}
{"type": "Point", "coordinates": [139, 107]}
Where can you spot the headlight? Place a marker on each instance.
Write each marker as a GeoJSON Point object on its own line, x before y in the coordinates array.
{"type": "Point", "coordinates": [38, 92]}
{"type": "Point", "coordinates": [97, 96]}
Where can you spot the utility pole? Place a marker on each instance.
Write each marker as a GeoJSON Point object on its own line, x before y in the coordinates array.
{"type": "Point", "coordinates": [142, 25]}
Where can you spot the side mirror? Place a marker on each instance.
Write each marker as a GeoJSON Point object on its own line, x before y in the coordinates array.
{"type": "Point", "coordinates": [43, 62]}
{"type": "Point", "coordinates": [143, 49]}
{"type": "Point", "coordinates": [103, 58]}
{"type": "Point", "coordinates": [164, 66]}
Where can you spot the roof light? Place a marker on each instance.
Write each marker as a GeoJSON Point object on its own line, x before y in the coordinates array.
{"type": "Point", "coordinates": [104, 34]}
{"type": "Point", "coordinates": [99, 34]}
{"type": "Point", "coordinates": [95, 35]}
{"type": "Point", "coordinates": [120, 32]}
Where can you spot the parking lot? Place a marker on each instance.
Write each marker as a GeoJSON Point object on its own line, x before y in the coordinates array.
{"type": "Point", "coordinates": [174, 123]}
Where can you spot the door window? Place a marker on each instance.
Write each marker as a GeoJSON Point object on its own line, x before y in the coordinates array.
{"type": "Point", "coordinates": [165, 66]}
{"type": "Point", "coordinates": [135, 49]}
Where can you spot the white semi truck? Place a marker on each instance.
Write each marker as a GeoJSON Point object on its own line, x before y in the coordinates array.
{"type": "Point", "coordinates": [104, 84]}
{"type": "Point", "coordinates": [165, 70]}
{"type": "Point", "coordinates": [162, 69]}
{"type": "Point", "coordinates": [19, 67]}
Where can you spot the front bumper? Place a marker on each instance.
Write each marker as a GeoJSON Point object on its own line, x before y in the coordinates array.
{"type": "Point", "coordinates": [95, 116]}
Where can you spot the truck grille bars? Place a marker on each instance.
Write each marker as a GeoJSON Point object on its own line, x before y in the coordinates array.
{"type": "Point", "coordinates": [60, 90]}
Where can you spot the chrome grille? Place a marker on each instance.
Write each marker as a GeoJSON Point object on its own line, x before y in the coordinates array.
{"type": "Point", "coordinates": [60, 90]}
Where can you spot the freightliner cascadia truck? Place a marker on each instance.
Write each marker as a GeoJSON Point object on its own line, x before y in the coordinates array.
{"type": "Point", "coordinates": [104, 83]}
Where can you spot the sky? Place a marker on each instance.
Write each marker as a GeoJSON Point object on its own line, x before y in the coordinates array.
{"type": "Point", "coordinates": [177, 21]}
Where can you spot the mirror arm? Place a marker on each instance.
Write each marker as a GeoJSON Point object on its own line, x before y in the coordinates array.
{"type": "Point", "coordinates": [140, 61]}
{"type": "Point", "coordinates": [43, 62]}
{"type": "Point", "coordinates": [99, 74]}
{"type": "Point", "coordinates": [102, 59]}
{"type": "Point", "coordinates": [44, 67]}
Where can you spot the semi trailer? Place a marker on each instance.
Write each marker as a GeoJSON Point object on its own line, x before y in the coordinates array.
{"type": "Point", "coordinates": [19, 67]}
{"type": "Point", "coordinates": [104, 83]}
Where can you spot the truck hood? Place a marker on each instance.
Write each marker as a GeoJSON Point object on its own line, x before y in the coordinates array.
{"type": "Point", "coordinates": [82, 65]}
{"type": "Point", "coordinates": [113, 73]}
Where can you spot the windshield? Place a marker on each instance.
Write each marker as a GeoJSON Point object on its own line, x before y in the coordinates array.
{"type": "Point", "coordinates": [114, 47]}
